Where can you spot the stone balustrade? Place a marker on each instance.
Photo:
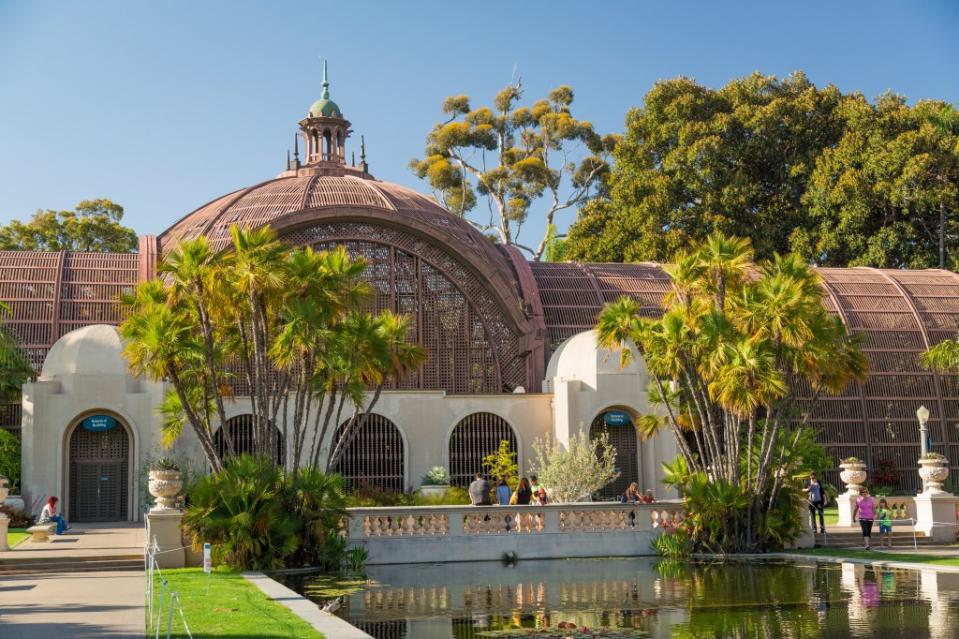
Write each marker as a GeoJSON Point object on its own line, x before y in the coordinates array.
{"type": "Point", "coordinates": [474, 533]}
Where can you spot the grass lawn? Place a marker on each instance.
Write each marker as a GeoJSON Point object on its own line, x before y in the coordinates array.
{"type": "Point", "coordinates": [15, 536]}
{"type": "Point", "coordinates": [879, 556]}
{"type": "Point", "coordinates": [831, 515]}
{"type": "Point", "coordinates": [227, 605]}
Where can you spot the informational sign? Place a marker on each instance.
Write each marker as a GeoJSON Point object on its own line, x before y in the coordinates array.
{"type": "Point", "coordinates": [99, 423]}
{"type": "Point", "coordinates": [207, 560]}
{"type": "Point", "coordinates": [617, 418]}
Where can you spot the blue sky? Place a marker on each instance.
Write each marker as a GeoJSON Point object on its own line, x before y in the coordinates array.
{"type": "Point", "coordinates": [163, 106]}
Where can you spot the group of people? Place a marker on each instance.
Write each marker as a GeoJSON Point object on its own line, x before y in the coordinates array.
{"type": "Point", "coordinates": [866, 509]}
{"type": "Point", "coordinates": [634, 496]}
{"type": "Point", "coordinates": [527, 492]}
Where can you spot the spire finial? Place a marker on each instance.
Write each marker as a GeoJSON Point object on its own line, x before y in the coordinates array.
{"type": "Point", "coordinates": [326, 82]}
{"type": "Point", "coordinates": [362, 149]}
{"type": "Point", "coordinates": [296, 148]}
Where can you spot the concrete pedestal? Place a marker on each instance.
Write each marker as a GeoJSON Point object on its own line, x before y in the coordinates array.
{"type": "Point", "coordinates": [4, 522]}
{"type": "Point", "coordinates": [846, 503]}
{"type": "Point", "coordinates": [163, 526]}
{"type": "Point", "coordinates": [936, 516]}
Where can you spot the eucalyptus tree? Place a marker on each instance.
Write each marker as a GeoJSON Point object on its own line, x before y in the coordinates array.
{"type": "Point", "coordinates": [285, 328]}
{"type": "Point", "coordinates": [727, 359]}
{"type": "Point", "coordinates": [515, 155]}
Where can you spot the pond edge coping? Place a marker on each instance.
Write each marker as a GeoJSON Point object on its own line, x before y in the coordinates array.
{"type": "Point", "coordinates": [329, 625]}
{"type": "Point", "coordinates": [908, 565]}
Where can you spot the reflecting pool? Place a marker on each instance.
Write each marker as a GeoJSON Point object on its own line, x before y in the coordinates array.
{"type": "Point", "coordinates": [643, 597]}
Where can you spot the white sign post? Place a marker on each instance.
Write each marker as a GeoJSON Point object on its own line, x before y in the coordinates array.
{"type": "Point", "coordinates": [207, 562]}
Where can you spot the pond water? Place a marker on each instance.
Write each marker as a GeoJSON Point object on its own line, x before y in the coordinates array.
{"type": "Point", "coordinates": [642, 597]}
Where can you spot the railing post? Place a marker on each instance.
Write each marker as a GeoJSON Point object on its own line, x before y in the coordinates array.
{"type": "Point", "coordinates": [550, 519]}
{"type": "Point", "coordinates": [454, 519]}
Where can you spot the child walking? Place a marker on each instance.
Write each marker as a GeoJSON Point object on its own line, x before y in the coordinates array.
{"type": "Point", "coordinates": [885, 523]}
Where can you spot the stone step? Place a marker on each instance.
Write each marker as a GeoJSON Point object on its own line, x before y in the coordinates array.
{"type": "Point", "coordinates": [11, 566]}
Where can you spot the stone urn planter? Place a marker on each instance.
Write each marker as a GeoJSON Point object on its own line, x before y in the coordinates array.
{"type": "Point", "coordinates": [434, 490]}
{"type": "Point", "coordinates": [4, 488]}
{"type": "Point", "coordinates": [165, 485]}
{"type": "Point", "coordinates": [933, 468]}
{"type": "Point", "coordinates": [853, 474]}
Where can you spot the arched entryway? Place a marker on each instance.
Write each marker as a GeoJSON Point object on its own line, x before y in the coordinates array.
{"type": "Point", "coordinates": [374, 458]}
{"type": "Point", "coordinates": [241, 432]}
{"type": "Point", "coordinates": [99, 470]}
{"type": "Point", "coordinates": [618, 424]}
{"type": "Point", "coordinates": [473, 438]}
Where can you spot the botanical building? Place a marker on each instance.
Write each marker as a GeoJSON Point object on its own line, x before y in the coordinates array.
{"type": "Point", "coordinates": [510, 352]}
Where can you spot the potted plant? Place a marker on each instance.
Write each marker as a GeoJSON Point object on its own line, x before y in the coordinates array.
{"type": "Point", "coordinates": [165, 483]}
{"type": "Point", "coordinates": [435, 483]}
{"type": "Point", "coordinates": [933, 468]}
{"type": "Point", "coordinates": [853, 474]}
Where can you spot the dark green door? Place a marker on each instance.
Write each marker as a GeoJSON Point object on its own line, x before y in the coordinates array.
{"type": "Point", "coordinates": [98, 475]}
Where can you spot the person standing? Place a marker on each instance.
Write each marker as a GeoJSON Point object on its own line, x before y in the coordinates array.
{"type": "Point", "coordinates": [884, 515]}
{"type": "Point", "coordinates": [479, 491]}
{"type": "Point", "coordinates": [865, 508]}
{"type": "Point", "coordinates": [523, 494]}
{"type": "Point", "coordinates": [49, 514]}
{"type": "Point", "coordinates": [503, 492]}
{"type": "Point", "coordinates": [817, 503]}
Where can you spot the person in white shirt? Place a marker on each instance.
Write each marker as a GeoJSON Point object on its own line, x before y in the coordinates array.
{"type": "Point", "coordinates": [49, 513]}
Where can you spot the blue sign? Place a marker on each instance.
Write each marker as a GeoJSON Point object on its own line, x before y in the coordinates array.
{"type": "Point", "coordinates": [99, 423]}
{"type": "Point", "coordinates": [617, 418]}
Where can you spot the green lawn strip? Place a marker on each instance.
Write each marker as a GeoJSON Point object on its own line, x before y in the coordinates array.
{"type": "Point", "coordinates": [224, 604]}
{"type": "Point", "coordinates": [831, 515]}
{"type": "Point", "coordinates": [15, 536]}
{"type": "Point", "coordinates": [877, 555]}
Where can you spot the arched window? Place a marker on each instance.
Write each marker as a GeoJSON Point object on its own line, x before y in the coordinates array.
{"type": "Point", "coordinates": [374, 457]}
{"type": "Point", "coordinates": [475, 437]}
{"type": "Point", "coordinates": [622, 436]}
{"type": "Point", "coordinates": [241, 431]}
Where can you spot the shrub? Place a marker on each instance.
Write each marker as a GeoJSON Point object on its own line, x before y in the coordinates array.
{"type": "Point", "coordinates": [437, 476]}
{"type": "Point", "coordinates": [502, 463]}
{"type": "Point", "coordinates": [258, 516]}
{"type": "Point", "coordinates": [10, 460]}
{"type": "Point", "coordinates": [886, 474]}
{"type": "Point", "coordinates": [673, 544]}
{"type": "Point", "coordinates": [575, 473]}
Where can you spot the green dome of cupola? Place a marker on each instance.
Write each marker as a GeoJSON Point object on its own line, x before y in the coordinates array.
{"type": "Point", "coordinates": [325, 107]}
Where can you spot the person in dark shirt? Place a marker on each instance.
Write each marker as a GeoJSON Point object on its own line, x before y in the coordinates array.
{"type": "Point", "coordinates": [814, 494]}
{"type": "Point", "coordinates": [479, 491]}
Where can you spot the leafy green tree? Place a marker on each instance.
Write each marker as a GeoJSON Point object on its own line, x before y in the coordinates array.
{"type": "Point", "coordinates": [289, 327]}
{"type": "Point", "coordinates": [94, 225]}
{"type": "Point", "coordinates": [792, 167]}
{"type": "Point", "coordinates": [736, 341]}
{"type": "Point", "coordinates": [881, 196]}
{"type": "Point", "coordinates": [514, 155]}
{"type": "Point", "coordinates": [695, 160]}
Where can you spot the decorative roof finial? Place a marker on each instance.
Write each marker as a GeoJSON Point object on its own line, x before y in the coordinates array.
{"type": "Point", "coordinates": [326, 83]}
{"type": "Point", "coordinates": [363, 165]}
{"type": "Point", "coordinates": [296, 148]}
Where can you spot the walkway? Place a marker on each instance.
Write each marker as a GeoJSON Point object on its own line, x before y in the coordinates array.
{"type": "Point", "coordinates": [86, 598]}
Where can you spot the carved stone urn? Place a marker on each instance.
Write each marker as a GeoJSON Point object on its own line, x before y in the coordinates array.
{"type": "Point", "coordinates": [4, 488]}
{"type": "Point", "coordinates": [165, 486]}
{"type": "Point", "coordinates": [853, 474]}
{"type": "Point", "coordinates": [933, 468]}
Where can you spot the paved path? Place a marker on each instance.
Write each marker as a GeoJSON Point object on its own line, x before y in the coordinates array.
{"type": "Point", "coordinates": [75, 605]}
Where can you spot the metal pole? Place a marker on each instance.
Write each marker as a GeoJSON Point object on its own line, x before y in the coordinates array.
{"type": "Point", "coordinates": [924, 436]}
{"type": "Point", "coordinates": [169, 618]}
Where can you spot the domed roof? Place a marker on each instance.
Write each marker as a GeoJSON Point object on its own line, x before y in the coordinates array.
{"type": "Point", "coordinates": [325, 108]}
{"type": "Point", "coordinates": [581, 357]}
{"type": "Point", "coordinates": [342, 189]}
{"type": "Point", "coordinates": [92, 350]}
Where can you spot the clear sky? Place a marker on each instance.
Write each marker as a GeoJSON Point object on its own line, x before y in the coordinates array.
{"type": "Point", "coordinates": [162, 106]}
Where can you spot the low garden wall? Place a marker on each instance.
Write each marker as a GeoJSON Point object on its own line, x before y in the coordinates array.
{"type": "Point", "coordinates": [418, 534]}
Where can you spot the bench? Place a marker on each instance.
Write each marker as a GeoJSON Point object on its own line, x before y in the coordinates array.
{"type": "Point", "coordinates": [41, 532]}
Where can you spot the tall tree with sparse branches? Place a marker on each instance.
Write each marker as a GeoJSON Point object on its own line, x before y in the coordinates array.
{"type": "Point", "coordinates": [514, 156]}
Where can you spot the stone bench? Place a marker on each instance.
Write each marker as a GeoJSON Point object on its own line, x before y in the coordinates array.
{"type": "Point", "coordinates": [41, 532]}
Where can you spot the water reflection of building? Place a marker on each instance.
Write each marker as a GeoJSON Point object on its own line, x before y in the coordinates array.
{"type": "Point", "coordinates": [442, 601]}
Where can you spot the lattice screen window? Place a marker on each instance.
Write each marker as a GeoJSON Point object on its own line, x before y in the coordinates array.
{"type": "Point", "coordinates": [473, 438]}
{"type": "Point", "coordinates": [374, 457]}
{"type": "Point", "coordinates": [623, 439]}
{"type": "Point", "coordinates": [241, 430]}
{"type": "Point", "coordinates": [471, 346]}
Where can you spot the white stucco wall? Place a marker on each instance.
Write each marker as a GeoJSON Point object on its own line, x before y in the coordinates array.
{"type": "Point", "coordinates": [84, 374]}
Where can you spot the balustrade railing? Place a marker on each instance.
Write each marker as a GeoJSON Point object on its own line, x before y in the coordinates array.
{"type": "Point", "coordinates": [465, 521]}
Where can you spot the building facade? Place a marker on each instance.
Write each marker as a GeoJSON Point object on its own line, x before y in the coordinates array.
{"type": "Point", "coordinates": [511, 355]}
